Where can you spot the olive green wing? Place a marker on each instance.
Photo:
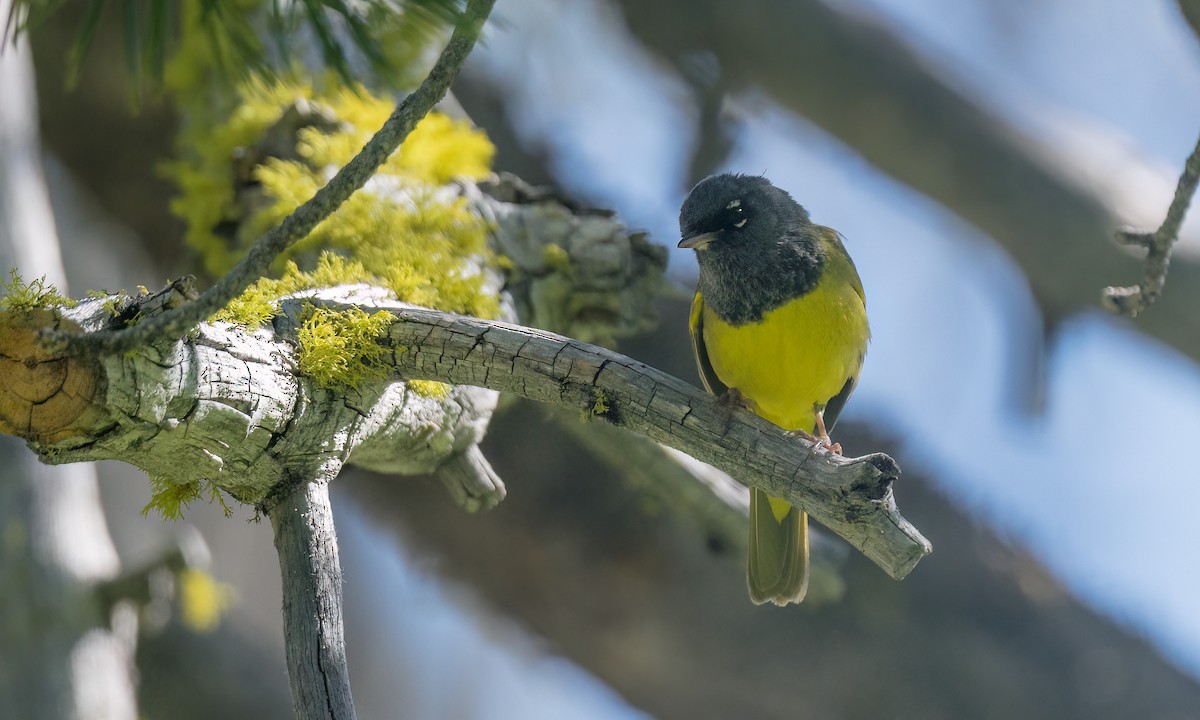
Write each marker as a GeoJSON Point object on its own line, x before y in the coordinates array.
{"type": "Point", "coordinates": [708, 376]}
{"type": "Point", "coordinates": [841, 263]}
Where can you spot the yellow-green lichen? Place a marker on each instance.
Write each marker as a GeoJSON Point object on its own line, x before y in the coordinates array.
{"type": "Point", "coordinates": [427, 249]}
{"type": "Point", "coordinates": [437, 150]}
{"type": "Point", "coordinates": [170, 498]}
{"type": "Point", "coordinates": [207, 200]}
{"type": "Point", "coordinates": [600, 406]}
{"type": "Point", "coordinates": [250, 162]}
{"type": "Point", "coordinates": [339, 348]}
{"type": "Point", "coordinates": [21, 296]}
{"type": "Point", "coordinates": [260, 302]}
{"type": "Point", "coordinates": [112, 305]}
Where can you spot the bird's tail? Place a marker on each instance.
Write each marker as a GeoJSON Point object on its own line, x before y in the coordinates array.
{"type": "Point", "coordinates": [777, 570]}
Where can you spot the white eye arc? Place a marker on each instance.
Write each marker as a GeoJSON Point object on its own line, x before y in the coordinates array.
{"type": "Point", "coordinates": [740, 223]}
{"type": "Point", "coordinates": [733, 205]}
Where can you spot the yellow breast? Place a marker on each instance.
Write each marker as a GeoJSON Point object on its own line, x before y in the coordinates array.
{"type": "Point", "coordinates": [798, 357]}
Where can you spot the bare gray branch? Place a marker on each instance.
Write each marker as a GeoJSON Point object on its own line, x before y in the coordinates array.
{"type": "Point", "coordinates": [851, 496]}
{"type": "Point", "coordinates": [1133, 299]}
{"type": "Point", "coordinates": [312, 598]}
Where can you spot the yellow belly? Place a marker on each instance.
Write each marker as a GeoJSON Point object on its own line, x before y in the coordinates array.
{"type": "Point", "coordinates": [795, 360]}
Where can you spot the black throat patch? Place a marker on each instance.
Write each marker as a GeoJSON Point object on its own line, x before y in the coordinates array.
{"type": "Point", "coordinates": [742, 284]}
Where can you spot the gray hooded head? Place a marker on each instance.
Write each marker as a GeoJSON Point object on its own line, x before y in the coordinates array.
{"type": "Point", "coordinates": [756, 247]}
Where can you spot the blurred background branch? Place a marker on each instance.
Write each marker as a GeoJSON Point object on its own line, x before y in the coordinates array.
{"type": "Point", "coordinates": [1132, 300]}
{"type": "Point", "coordinates": [717, 505]}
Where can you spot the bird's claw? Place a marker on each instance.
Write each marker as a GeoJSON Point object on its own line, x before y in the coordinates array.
{"type": "Point", "coordinates": [821, 439]}
{"type": "Point", "coordinates": [728, 401]}
{"type": "Point", "coordinates": [820, 442]}
{"type": "Point", "coordinates": [733, 399]}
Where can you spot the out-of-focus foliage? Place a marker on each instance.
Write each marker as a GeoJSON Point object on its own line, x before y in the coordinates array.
{"type": "Point", "coordinates": [202, 599]}
{"type": "Point", "coordinates": [354, 38]}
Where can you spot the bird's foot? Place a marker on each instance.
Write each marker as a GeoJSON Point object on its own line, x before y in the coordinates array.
{"type": "Point", "coordinates": [733, 399]}
{"type": "Point", "coordinates": [728, 401]}
{"type": "Point", "coordinates": [821, 438]}
{"type": "Point", "coordinates": [820, 441]}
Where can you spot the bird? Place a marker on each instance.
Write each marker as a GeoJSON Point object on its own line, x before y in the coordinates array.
{"type": "Point", "coordinates": [779, 327]}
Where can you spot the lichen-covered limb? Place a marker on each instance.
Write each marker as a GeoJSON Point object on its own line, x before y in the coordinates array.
{"type": "Point", "coordinates": [1133, 299]}
{"type": "Point", "coordinates": [224, 409]}
{"type": "Point", "coordinates": [851, 496]}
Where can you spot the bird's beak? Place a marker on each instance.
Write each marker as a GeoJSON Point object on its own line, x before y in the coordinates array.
{"type": "Point", "coordinates": [698, 241]}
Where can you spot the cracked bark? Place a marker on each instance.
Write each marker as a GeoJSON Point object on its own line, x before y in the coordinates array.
{"type": "Point", "coordinates": [302, 519]}
{"type": "Point", "coordinates": [851, 496]}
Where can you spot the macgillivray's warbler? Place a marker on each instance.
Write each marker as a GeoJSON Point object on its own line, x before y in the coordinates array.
{"type": "Point", "coordinates": [779, 326]}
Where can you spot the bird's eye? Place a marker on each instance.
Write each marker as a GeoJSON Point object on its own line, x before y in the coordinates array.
{"type": "Point", "coordinates": [741, 223]}
{"type": "Point", "coordinates": [735, 205]}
